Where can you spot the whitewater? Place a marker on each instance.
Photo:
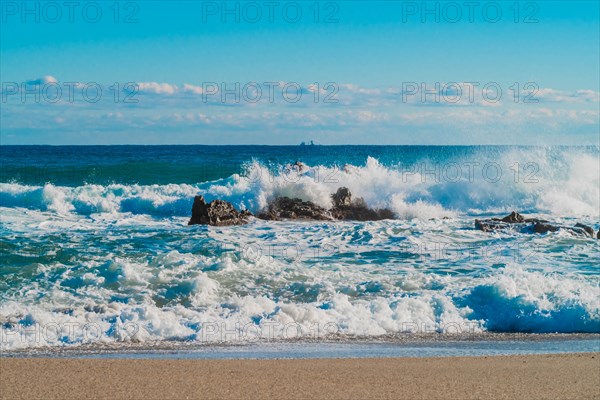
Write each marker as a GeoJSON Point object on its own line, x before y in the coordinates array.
{"type": "Point", "coordinates": [96, 248]}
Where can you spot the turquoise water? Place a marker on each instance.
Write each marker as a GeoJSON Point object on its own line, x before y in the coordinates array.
{"type": "Point", "coordinates": [95, 246]}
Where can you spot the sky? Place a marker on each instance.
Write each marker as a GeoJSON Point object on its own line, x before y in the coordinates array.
{"type": "Point", "coordinates": [265, 72]}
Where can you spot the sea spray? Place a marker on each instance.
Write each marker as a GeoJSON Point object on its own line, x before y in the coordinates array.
{"type": "Point", "coordinates": [115, 262]}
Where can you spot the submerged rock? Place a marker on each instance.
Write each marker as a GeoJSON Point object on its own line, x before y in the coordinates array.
{"type": "Point", "coordinates": [516, 221]}
{"type": "Point", "coordinates": [578, 229]}
{"type": "Point", "coordinates": [512, 221]}
{"type": "Point", "coordinates": [588, 229]}
{"type": "Point", "coordinates": [542, 227]}
{"type": "Point", "coordinates": [217, 213]}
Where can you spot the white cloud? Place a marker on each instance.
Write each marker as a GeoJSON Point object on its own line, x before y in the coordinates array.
{"type": "Point", "coordinates": [360, 109]}
{"type": "Point", "coordinates": [42, 81]}
{"type": "Point", "coordinates": [187, 88]}
{"type": "Point", "coordinates": [559, 96]}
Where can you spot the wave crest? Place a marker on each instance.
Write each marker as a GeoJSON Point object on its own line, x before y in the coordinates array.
{"type": "Point", "coordinates": [564, 183]}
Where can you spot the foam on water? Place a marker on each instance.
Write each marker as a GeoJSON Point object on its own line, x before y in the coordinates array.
{"type": "Point", "coordinates": [117, 263]}
{"type": "Point", "coordinates": [170, 298]}
{"type": "Point", "coordinates": [565, 185]}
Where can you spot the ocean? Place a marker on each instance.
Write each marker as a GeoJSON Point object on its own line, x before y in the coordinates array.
{"type": "Point", "coordinates": [96, 250]}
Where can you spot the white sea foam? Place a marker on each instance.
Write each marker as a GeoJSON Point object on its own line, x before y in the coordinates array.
{"type": "Point", "coordinates": [567, 186]}
{"type": "Point", "coordinates": [514, 300]}
{"type": "Point", "coordinates": [117, 263]}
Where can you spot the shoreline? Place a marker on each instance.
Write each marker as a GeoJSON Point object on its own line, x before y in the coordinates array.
{"type": "Point", "coordinates": [559, 376]}
{"type": "Point", "coordinates": [387, 346]}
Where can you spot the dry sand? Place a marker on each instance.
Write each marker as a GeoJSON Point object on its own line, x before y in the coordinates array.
{"type": "Point", "coordinates": [570, 376]}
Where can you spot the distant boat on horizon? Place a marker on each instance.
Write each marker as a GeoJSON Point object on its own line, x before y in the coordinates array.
{"type": "Point", "coordinates": [307, 144]}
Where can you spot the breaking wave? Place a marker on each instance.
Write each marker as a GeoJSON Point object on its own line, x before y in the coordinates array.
{"type": "Point", "coordinates": [565, 185]}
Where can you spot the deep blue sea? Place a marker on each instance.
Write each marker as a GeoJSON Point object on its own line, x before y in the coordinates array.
{"type": "Point", "coordinates": [96, 249]}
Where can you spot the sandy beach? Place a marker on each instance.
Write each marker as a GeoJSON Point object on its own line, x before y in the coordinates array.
{"type": "Point", "coordinates": [566, 376]}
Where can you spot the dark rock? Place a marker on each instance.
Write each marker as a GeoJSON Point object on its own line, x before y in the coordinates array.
{"type": "Point", "coordinates": [359, 212]}
{"type": "Point", "coordinates": [342, 197]}
{"type": "Point", "coordinates": [490, 225]}
{"type": "Point", "coordinates": [344, 208]}
{"type": "Point", "coordinates": [216, 213]}
{"type": "Point", "coordinates": [516, 221]}
{"type": "Point", "coordinates": [577, 230]}
{"type": "Point", "coordinates": [589, 230]}
{"type": "Point", "coordinates": [286, 208]}
{"type": "Point", "coordinates": [513, 218]}
{"type": "Point", "coordinates": [512, 221]}
{"type": "Point", "coordinates": [541, 227]}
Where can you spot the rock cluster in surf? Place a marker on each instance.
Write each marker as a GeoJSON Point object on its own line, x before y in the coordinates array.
{"type": "Point", "coordinates": [355, 210]}
{"type": "Point", "coordinates": [516, 221]}
{"type": "Point", "coordinates": [222, 213]}
{"type": "Point", "coordinates": [217, 213]}
{"type": "Point", "coordinates": [286, 208]}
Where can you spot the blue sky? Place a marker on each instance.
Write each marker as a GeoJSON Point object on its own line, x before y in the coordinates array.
{"type": "Point", "coordinates": [367, 56]}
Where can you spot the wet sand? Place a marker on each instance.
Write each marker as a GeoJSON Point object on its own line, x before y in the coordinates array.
{"type": "Point", "coordinates": [565, 376]}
